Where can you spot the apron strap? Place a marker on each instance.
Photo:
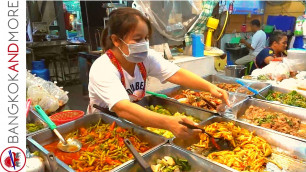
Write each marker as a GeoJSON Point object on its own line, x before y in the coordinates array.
{"type": "Point", "coordinates": [141, 67]}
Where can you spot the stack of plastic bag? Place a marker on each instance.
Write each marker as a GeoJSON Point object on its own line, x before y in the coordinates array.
{"type": "Point", "coordinates": [45, 93]}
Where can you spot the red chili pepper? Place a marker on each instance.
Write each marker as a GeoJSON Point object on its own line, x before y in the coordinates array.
{"type": "Point", "coordinates": [112, 147]}
{"type": "Point", "coordinates": [143, 149]}
{"type": "Point", "coordinates": [111, 161]}
{"type": "Point", "coordinates": [88, 169]}
{"type": "Point", "coordinates": [90, 149]}
{"type": "Point", "coordinates": [121, 143]}
{"type": "Point", "coordinates": [120, 130]}
{"type": "Point", "coordinates": [112, 126]}
{"type": "Point", "coordinates": [83, 131]}
{"type": "Point", "coordinates": [107, 135]}
{"type": "Point", "coordinates": [213, 141]}
{"type": "Point", "coordinates": [132, 139]}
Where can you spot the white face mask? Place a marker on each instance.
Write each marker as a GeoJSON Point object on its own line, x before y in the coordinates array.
{"type": "Point", "coordinates": [138, 52]}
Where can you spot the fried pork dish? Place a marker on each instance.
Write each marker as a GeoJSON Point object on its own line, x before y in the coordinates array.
{"type": "Point", "coordinates": [196, 99]}
{"type": "Point", "coordinates": [233, 88]}
{"type": "Point", "coordinates": [275, 120]}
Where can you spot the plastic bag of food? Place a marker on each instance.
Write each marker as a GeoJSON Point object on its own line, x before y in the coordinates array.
{"type": "Point", "coordinates": [302, 85]}
{"type": "Point", "coordinates": [42, 98]}
{"type": "Point", "coordinates": [54, 90]}
{"type": "Point", "coordinates": [281, 72]}
{"type": "Point", "coordinates": [301, 75]}
{"type": "Point", "coordinates": [50, 87]}
{"type": "Point", "coordinates": [293, 65]}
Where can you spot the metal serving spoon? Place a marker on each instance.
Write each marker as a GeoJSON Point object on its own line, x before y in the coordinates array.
{"type": "Point", "coordinates": [146, 167]}
{"type": "Point", "coordinates": [71, 145]}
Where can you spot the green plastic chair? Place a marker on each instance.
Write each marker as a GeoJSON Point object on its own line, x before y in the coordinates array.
{"type": "Point", "coordinates": [249, 67]}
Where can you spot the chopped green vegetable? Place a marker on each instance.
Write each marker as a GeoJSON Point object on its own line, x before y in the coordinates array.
{"type": "Point", "coordinates": [32, 127]}
{"type": "Point", "coordinates": [263, 77]}
{"type": "Point", "coordinates": [293, 98]}
{"type": "Point", "coordinates": [171, 164]}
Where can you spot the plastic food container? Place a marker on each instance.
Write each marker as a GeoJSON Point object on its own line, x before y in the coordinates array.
{"type": "Point", "coordinates": [66, 116]}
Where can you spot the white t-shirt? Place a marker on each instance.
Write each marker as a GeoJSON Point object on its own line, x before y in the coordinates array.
{"type": "Point", "coordinates": [258, 42]}
{"type": "Point", "coordinates": [105, 87]}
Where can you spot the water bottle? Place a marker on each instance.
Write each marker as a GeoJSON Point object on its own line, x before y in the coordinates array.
{"type": "Point", "coordinates": [38, 68]}
{"type": "Point", "coordinates": [197, 45]}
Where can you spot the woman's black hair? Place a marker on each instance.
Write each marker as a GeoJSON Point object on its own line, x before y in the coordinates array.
{"type": "Point", "coordinates": [121, 22]}
{"type": "Point", "coordinates": [276, 37]}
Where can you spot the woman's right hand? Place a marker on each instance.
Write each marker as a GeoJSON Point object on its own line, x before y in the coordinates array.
{"type": "Point", "coordinates": [181, 131]}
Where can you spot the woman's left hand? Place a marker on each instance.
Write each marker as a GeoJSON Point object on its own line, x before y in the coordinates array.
{"type": "Point", "coordinates": [219, 93]}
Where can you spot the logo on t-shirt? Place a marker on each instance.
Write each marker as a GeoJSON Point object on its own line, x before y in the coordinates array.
{"type": "Point", "coordinates": [270, 52]}
{"type": "Point", "coordinates": [136, 91]}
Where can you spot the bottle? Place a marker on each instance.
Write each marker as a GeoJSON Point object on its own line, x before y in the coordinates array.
{"type": "Point", "coordinates": [38, 68]}
{"type": "Point", "coordinates": [298, 27]}
{"type": "Point", "coordinates": [231, 7]}
{"type": "Point", "coordinates": [197, 45]}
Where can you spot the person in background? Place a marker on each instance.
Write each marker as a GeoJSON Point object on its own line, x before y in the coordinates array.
{"type": "Point", "coordinates": [118, 77]}
{"type": "Point", "coordinates": [275, 51]}
{"type": "Point", "coordinates": [258, 43]}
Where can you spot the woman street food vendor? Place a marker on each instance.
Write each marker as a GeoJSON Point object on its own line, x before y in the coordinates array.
{"type": "Point", "coordinates": [276, 50]}
{"type": "Point", "coordinates": [118, 77]}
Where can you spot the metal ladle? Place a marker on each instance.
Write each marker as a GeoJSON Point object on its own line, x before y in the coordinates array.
{"type": "Point", "coordinates": [71, 145]}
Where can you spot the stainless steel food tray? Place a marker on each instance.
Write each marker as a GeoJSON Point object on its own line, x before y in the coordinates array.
{"type": "Point", "coordinates": [278, 142]}
{"type": "Point", "coordinates": [176, 90]}
{"type": "Point", "coordinates": [197, 164]}
{"type": "Point", "coordinates": [215, 79]}
{"type": "Point", "coordinates": [299, 113]}
{"type": "Point", "coordinates": [51, 165]}
{"type": "Point", "coordinates": [33, 117]}
{"type": "Point", "coordinates": [47, 136]}
{"type": "Point", "coordinates": [174, 106]}
{"type": "Point", "coordinates": [279, 89]}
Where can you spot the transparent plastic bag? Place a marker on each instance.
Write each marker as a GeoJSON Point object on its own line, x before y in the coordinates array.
{"type": "Point", "coordinates": [235, 99]}
{"type": "Point", "coordinates": [54, 90]}
{"type": "Point", "coordinates": [42, 98]}
{"type": "Point", "coordinates": [50, 87]}
{"type": "Point", "coordinates": [281, 72]}
{"type": "Point", "coordinates": [171, 18]}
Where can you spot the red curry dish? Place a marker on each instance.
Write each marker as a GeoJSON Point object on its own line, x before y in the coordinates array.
{"type": "Point", "coordinates": [102, 149]}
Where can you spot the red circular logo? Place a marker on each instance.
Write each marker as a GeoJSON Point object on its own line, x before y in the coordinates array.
{"type": "Point", "coordinates": [12, 159]}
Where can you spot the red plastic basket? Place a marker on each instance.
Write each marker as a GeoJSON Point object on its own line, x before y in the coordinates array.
{"type": "Point", "coordinates": [66, 116]}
